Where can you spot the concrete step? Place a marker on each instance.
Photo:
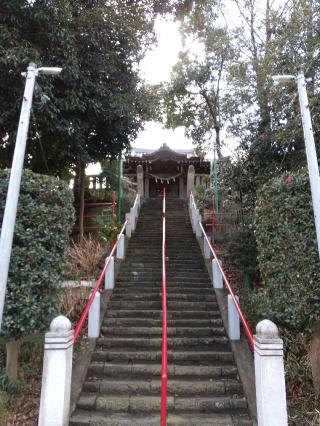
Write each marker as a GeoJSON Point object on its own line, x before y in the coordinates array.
{"type": "Point", "coordinates": [176, 386]}
{"type": "Point", "coordinates": [172, 304]}
{"type": "Point", "coordinates": [157, 331]}
{"type": "Point", "coordinates": [120, 369]}
{"type": "Point", "coordinates": [148, 403]}
{"type": "Point", "coordinates": [155, 342]}
{"type": "Point", "coordinates": [170, 284]}
{"type": "Point", "coordinates": [191, 297]}
{"type": "Point", "coordinates": [209, 356]}
{"type": "Point", "coordinates": [157, 322]}
{"type": "Point", "coordinates": [122, 290]}
{"type": "Point", "coordinates": [86, 417]}
{"type": "Point", "coordinates": [157, 314]}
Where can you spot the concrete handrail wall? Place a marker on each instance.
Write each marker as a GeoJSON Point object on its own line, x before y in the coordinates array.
{"type": "Point", "coordinates": [59, 341]}
{"type": "Point", "coordinates": [266, 344]}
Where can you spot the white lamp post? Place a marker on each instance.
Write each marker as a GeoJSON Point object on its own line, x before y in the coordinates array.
{"type": "Point", "coordinates": [10, 211]}
{"type": "Point", "coordinates": [310, 145]}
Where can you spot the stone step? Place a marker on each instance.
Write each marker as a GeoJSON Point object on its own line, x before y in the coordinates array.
{"type": "Point", "coordinates": [172, 304]}
{"type": "Point", "coordinates": [177, 387]}
{"type": "Point", "coordinates": [147, 322]}
{"type": "Point", "coordinates": [101, 369]}
{"type": "Point", "coordinates": [191, 297]}
{"type": "Point", "coordinates": [157, 331]}
{"type": "Point", "coordinates": [220, 342]}
{"type": "Point", "coordinates": [170, 284]}
{"type": "Point", "coordinates": [195, 314]}
{"type": "Point", "coordinates": [209, 357]}
{"type": "Point", "coordinates": [122, 290]}
{"type": "Point", "coordinates": [86, 417]}
{"type": "Point", "coordinates": [147, 403]}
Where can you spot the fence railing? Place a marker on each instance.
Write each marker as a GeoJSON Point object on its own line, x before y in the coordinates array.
{"type": "Point", "coordinates": [164, 364]}
{"type": "Point", "coordinates": [218, 266]}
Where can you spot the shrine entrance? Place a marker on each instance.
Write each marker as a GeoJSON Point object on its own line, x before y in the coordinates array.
{"type": "Point", "coordinates": [156, 188]}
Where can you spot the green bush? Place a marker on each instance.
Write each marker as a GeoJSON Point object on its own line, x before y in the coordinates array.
{"type": "Point", "coordinates": [287, 253]}
{"type": "Point", "coordinates": [44, 219]}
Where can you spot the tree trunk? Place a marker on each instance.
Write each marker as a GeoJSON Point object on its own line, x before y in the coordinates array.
{"type": "Point", "coordinates": [315, 356]}
{"type": "Point", "coordinates": [12, 349]}
{"type": "Point", "coordinates": [81, 204]}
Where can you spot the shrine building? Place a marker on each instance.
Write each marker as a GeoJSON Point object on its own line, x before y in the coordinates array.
{"type": "Point", "coordinates": [178, 172]}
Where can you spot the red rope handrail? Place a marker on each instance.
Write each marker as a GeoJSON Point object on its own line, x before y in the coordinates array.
{"type": "Point", "coordinates": [96, 288]}
{"type": "Point", "coordinates": [226, 281]}
{"type": "Point", "coordinates": [164, 365]}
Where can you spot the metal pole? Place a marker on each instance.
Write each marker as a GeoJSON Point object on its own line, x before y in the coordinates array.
{"type": "Point", "coordinates": [10, 211]}
{"type": "Point", "coordinates": [215, 176]}
{"type": "Point", "coordinates": [311, 152]}
{"type": "Point", "coordinates": [119, 189]}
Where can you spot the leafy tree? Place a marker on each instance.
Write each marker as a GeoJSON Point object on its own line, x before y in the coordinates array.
{"type": "Point", "coordinates": [193, 97]}
{"type": "Point", "coordinates": [44, 219]}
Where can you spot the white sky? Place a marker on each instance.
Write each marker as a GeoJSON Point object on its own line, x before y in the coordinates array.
{"type": "Point", "coordinates": [156, 68]}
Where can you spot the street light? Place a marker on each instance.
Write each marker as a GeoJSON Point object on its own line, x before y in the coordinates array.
{"type": "Point", "coordinates": [10, 210]}
{"type": "Point", "coordinates": [310, 145]}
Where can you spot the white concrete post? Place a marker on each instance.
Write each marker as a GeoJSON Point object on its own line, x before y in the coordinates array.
{"type": "Point", "coordinates": [133, 219]}
{"type": "Point", "coordinates": [190, 179]}
{"type": "Point", "coordinates": [140, 179]}
{"type": "Point", "coordinates": [217, 279]}
{"type": "Point", "coordinates": [233, 319]}
{"type": "Point", "coordinates": [206, 248]}
{"type": "Point", "coordinates": [109, 276]}
{"type": "Point", "coordinates": [56, 374]}
{"type": "Point", "coordinates": [195, 212]}
{"type": "Point", "coordinates": [269, 375]}
{"type": "Point", "coordinates": [197, 225]}
{"type": "Point", "coordinates": [128, 227]}
{"type": "Point", "coordinates": [94, 317]}
{"type": "Point", "coordinates": [120, 247]}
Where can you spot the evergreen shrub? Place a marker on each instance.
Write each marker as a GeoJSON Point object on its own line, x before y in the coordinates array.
{"type": "Point", "coordinates": [287, 253]}
{"type": "Point", "coordinates": [44, 220]}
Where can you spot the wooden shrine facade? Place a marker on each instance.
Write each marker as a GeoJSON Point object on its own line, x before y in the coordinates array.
{"type": "Point", "coordinates": [165, 167]}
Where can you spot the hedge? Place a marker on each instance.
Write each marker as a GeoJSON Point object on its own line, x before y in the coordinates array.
{"type": "Point", "coordinates": [44, 219]}
{"type": "Point", "coordinates": [287, 252]}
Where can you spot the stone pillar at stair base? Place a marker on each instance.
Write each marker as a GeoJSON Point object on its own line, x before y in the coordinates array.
{"type": "Point", "coordinates": [269, 375]}
{"type": "Point", "coordinates": [94, 317]}
{"type": "Point", "coordinates": [56, 375]}
{"type": "Point", "coordinates": [217, 279]}
{"type": "Point", "coordinates": [233, 319]}
{"type": "Point", "coordinates": [120, 247]}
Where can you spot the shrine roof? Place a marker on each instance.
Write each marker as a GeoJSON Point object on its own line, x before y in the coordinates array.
{"type": "Point", "coordinates": [164, 153]}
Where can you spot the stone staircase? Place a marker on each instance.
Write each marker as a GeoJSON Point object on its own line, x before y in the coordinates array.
{"type": "Point", "coordinates": [123, 381]}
